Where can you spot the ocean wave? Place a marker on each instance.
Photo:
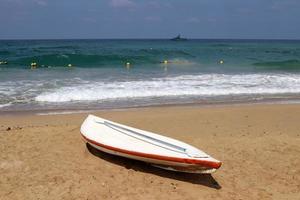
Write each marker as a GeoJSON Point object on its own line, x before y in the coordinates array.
{"type": "Point", "coordinates": [58, 47]}
{"type": "Point", "coordinates": [82, 60]}
{"type": "Point", "coordinates": [4, 52]}
{"type": "Point", "coordinates": [280, 65]}
{"type": "Point", "coordinates": [204, 85]}
{"type": "Point", "coordinates": [63, 55]}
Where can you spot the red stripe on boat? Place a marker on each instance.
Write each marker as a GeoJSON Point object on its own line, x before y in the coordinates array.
{"type": "Point", "coordinates": [203, 163]}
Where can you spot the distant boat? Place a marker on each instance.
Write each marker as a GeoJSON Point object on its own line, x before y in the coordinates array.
{"type": "Point", "coordinates": [178, 38]}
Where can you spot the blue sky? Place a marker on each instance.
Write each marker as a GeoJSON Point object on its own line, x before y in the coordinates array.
{"type": "Point", "coordinates": [53, 19]}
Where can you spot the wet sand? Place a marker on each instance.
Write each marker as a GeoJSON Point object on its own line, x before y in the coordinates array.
{"type": "Point", "coordinates": [44, 157]}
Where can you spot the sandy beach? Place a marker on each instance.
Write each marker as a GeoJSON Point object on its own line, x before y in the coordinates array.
{"type": "Point", "coordinates": [44, 156]}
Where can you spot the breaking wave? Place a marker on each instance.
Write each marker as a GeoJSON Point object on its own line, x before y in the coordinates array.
{"type": "Point", "coordinates": [185, 85]}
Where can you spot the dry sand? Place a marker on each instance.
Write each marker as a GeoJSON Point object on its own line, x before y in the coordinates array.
{"type": "Point", "coordinates": [44, 157]}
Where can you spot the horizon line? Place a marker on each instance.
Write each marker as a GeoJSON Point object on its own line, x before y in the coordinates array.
{"type": "Point", "coordinates": [291, 39]}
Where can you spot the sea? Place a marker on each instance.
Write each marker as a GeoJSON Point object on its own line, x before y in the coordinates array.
{"type": "Point", "coordinates": [124, 73]}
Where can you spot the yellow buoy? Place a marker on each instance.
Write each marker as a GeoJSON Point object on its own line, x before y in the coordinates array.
{"type": "Point", "coordinates": [33, 65]}
{"type": "Point", "coordinates": [165, 62]}
{"type": "Point", "coordinates": [221, 62]}
{"type": "Point", "coordinates": [128, 65]}
{"type": "Point", "coordinates": [69, 65]}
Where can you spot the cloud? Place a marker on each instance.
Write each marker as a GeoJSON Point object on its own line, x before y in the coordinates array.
{"type": "Point", "coordinates": [24, 2]}
{"type": "Point", "coordinates": [16, 2]}
{"type": "Point", "coordinates": [285, 5]}
{"type": "Point", "coordinates": [153, 4]}
{"type": "Point", "coordinates": [40, 2]}
{"type": "Point", "coordinates": [193, 20]}
{"type": "Point", "coordinates": [122, 3]}
{"type": "Point", "coordinates": [211, 19]}
{"type": "Point", "coordinates": [89, 20]}
{"type": "Point", "coordinates": [153, 18]}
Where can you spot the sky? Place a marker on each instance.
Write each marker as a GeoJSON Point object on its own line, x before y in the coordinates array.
{"type": "Point", "coordinates": [225, 19]}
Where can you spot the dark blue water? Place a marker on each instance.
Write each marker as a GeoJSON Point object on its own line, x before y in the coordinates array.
{"type": "Point", "coordinates": [81, 74]}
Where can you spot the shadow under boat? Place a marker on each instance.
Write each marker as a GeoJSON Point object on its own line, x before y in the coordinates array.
{"type": "Point", "coordinates": [201, 179]}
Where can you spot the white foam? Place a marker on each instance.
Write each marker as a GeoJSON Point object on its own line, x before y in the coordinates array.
{"type": "Point", "coordinates": [5, 105]}
{"type": "Point", "coordinates": [202, 85]}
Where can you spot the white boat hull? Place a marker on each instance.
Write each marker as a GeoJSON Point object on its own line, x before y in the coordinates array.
{"type": "Point", "coordinates": [161, 151]}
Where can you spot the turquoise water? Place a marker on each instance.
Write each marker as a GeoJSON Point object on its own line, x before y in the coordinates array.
{"type": "Point", "coordinates": [201, 71]}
